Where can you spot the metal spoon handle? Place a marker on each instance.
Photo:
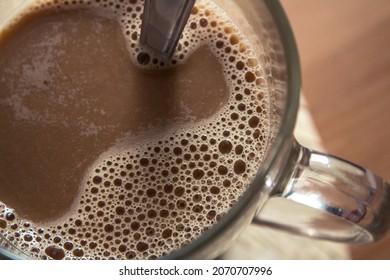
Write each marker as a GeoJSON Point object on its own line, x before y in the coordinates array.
{"type": "Point", "coordinates": [163, 23]}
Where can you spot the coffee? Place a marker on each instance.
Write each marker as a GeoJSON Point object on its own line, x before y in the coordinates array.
{"type": "Point", "coordinates": [109, 151]}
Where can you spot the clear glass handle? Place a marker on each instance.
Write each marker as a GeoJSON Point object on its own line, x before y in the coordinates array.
{"type": "Point", "coordinates": [329, 198]}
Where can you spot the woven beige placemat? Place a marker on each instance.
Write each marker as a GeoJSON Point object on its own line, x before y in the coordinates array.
{"type": "Point", "coordinates": [261, 242]}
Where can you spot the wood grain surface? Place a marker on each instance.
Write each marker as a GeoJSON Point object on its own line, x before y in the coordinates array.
{"type": "Point", "coordinates": [344, 51]}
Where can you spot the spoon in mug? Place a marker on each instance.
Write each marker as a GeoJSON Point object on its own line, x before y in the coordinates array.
{"type": "Point", "coordinates": [163, 23]}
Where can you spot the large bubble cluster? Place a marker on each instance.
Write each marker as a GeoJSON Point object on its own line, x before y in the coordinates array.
{"type": "Point", "coordinates": [145, 200]}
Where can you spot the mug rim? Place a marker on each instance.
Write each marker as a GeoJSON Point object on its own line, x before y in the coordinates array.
{"type": "Point", "coordinates": [284, 134]}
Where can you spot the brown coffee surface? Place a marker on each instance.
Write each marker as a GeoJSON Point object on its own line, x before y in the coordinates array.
{"type": "Point", "coordinates": [69, 90]}
{"type": "Point", "coordinates": [108, 151]}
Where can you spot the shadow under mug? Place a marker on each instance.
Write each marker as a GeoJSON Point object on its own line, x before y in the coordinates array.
{"type": "Point", "coordinates": [325, 197]}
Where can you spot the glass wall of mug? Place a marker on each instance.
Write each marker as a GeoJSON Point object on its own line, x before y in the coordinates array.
{"type": "Point", "coordinates": [254, 155]}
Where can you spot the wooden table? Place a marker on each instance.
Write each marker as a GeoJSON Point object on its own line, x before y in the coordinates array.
{"type": "Point", "coordinates": [344, 50]}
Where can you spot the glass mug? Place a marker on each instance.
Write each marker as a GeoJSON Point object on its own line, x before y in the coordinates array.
{"type": "Point", "coordinates": [326, 197]}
